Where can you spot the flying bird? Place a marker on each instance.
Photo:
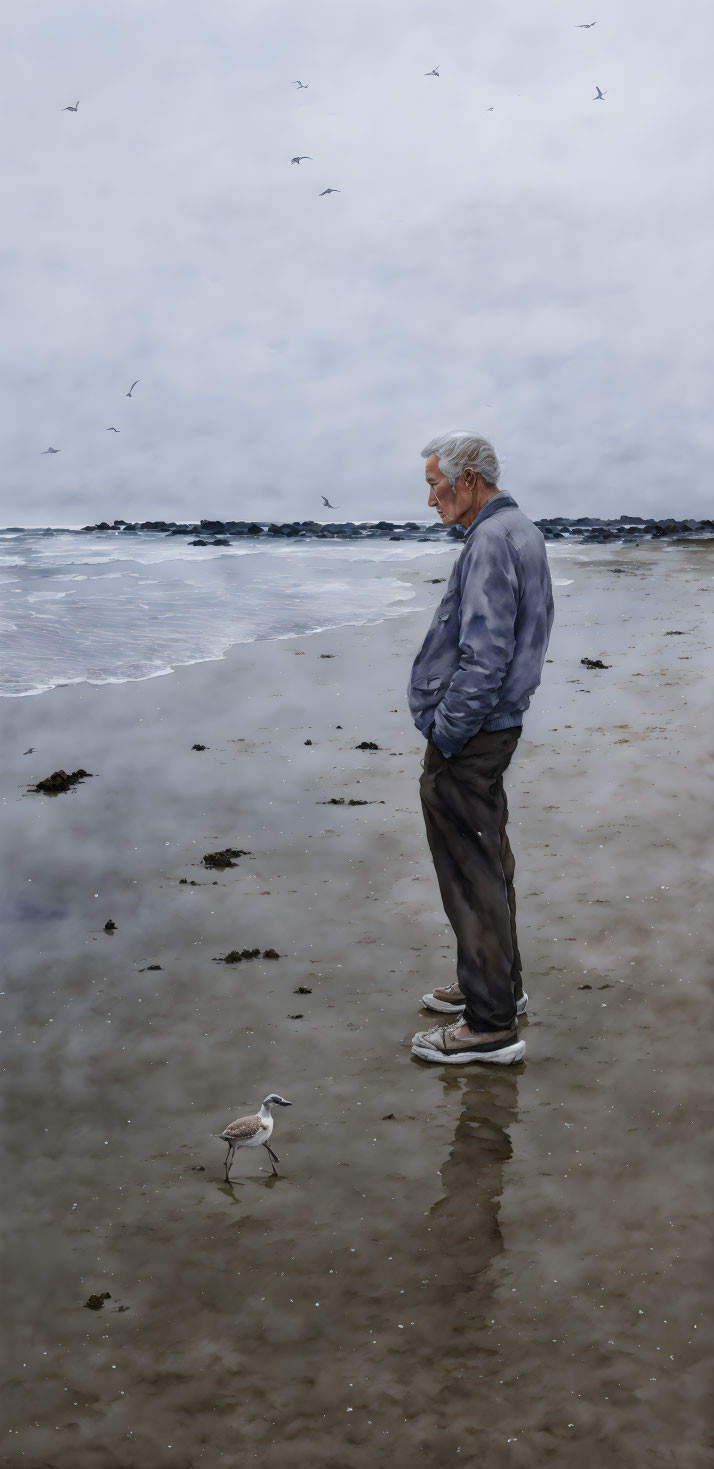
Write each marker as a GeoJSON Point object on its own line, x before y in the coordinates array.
{"type": "Point", "coordinates": [31, 750]}
{"type": "Point", "coordinates": [600, 96]}
{"type": "Point", "coordinates": [433, 73]}
{"type": "Point", "coordinates": [303, 85]}
{"type": "Point", "coordinates": [71, 109]}
{"type": "Point", "coordinates": [138, 380]}
{"type": "Point", "coordinates": [588, 27]}
{"type": "Point", "coordinates": [326, 502]}
{"type": "Point", "coordinates": [114, 430]}
{"type": "Point", "coordinates": [329, 191]}
{"type": "Point", "coordinates": [300, 157]}
{"type": "Point", "coordinates": [50, 451]}
{"type": "Point", "coordinates": [253, 1131]}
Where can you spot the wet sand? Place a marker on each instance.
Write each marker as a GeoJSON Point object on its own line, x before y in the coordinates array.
{"type": "Point", "coordinates": [454, 1265]}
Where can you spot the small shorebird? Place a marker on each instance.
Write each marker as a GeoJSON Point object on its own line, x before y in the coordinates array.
{"type": "Point", "coordinates": [330, 191]}
{"type": "Point", "coordinates": [299, 158]}
{"type": "Point", "coordinates": [138, 380]}
{"type": "Point", "coordinates": [251, 1132]}
{"type": "Point", "coordinates": [599, 96]}
{"type": "Point", "coordinates": [71, 109]}
{"type": "Point", "coordinates": [50, 451]}
{"type": "Point", "coordinates": [433, 73]}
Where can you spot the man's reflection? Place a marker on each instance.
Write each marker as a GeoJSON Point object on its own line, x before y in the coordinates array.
{"type": "Point", "coordinates": [465, 1220]}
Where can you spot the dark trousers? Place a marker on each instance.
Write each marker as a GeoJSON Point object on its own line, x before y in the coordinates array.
{"type": "Point", "coordinates": [465, 812]}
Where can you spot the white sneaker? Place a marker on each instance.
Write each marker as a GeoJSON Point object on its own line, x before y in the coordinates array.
{"type": "Point", "coordinates": [448, 1000]}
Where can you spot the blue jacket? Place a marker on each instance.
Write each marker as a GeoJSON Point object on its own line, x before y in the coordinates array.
{"type": "Point", "coordinates": [483, 655]}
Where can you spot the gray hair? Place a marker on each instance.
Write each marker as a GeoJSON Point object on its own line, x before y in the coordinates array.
{"type": "Point", "coordinates": [463, 450]}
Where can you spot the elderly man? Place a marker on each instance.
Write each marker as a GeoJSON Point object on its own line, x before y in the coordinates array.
{"type": "Point", "coordinates": [470, 685]}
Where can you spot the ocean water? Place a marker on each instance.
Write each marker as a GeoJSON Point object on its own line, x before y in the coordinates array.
{"type": "Point", "coordinates": [105, 609]}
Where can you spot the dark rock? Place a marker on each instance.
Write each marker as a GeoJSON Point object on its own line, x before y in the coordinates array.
{"type": "Point", "coordinates": [224, 858]}
{"type": "Point", "coordinates": [367, 745]}
{"type": "Point", "coordinates": [54, 785]}
{"type": "Point", "coordinates": [675, 633]}
{"type": "Point", "coordinates": [109, 926]}
{"type": "Point", "coordinates": [388, 1117]}
{"type": "Point", "coordinates": [436, 579]}
{"type": "Point", "coordinates": [594, 663]}
{"type": "Point", "coordinates": [584, 986]}
{"type": "Point", "coordinates": [220, 541]}
{"type": "Point", "coordinates": [396, 538]}
{"type": "Point", "coordinates": [198, 543]}
{"type": "Point", "coordinates": [299, 1016]}
{"type": "Point", "coordinates": [199, 1169]}
{"type": "Point", "coordinates": [270, 954]}
{"type": "Point", "coordinates": [302, 989]}
{"type": "Point", "coordinates": [214, 527]}
{"type": "Point", "coordinates": [199, 747]}
{"type": "Point", "coordinates": [327, 655]}
{"type": "Point", "coordinates": [152, 966]}
{"type": "Point", "coordinates": [307, 742]}
{"type": "Point", "coordinates": [183, 880]}
{"type": "Point", "coordinates": [95, 1303]}
{"type": "Point", "coordinates": [235, 957]}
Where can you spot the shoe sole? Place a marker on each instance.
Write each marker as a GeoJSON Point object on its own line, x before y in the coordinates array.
{"type": "Point", "coordinates": [508, 1056]}
{"type": "Point", "coordinates": [443, 1008]}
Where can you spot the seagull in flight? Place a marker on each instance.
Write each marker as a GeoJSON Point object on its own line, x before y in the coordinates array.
{"type": "Point", "coordinates": [326, 502]}
{"type": "Point", "coordinates": [138, 380]}
{"type": "Point", "coordinates": [113, 430]}
{"type": "Point", "coordinates": [71, 109]}
{"type": "Point", "coordinates": [299, 158]}
{"type": "Point", "coordinates": [433, 73]}
{"type": "Point", "coordinates": [587, 27]}
{"type": "Point", "coordinates": [302, 85]}
{"type": "Point", "coordinates": [599, 96]}
{"type": "Point", "coordinates": [329, 191]}
{"type": "Point", "coordinates": [31, 750]}
{"type": "Point", "coordinates": [51, 451]}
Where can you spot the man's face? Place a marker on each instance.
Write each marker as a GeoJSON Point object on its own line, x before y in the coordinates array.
{"type": "Point", "coordinates": [450, 504]}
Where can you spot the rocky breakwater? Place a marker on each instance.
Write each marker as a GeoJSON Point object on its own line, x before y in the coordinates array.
{"type": "Point", "coordinates": [584, 528]}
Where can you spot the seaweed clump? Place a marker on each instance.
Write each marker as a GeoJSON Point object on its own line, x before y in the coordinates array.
{"type": "Point", "coordinates": [95, 1303]}
{"type": "Point", "coordinates": [224, 858]}
{"type": "Point", "coordinates": [59, 781]}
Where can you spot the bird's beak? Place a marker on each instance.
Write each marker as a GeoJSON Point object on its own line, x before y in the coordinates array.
{"type": "Point", "coordinates": [285, 1104]}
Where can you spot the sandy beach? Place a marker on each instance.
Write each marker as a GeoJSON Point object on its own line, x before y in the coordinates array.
{"type": "Point", "coordinates": [453, 1266]}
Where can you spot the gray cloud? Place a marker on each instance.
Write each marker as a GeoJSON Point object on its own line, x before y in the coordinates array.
{"type": "Point", "coordinates": [537, 271]}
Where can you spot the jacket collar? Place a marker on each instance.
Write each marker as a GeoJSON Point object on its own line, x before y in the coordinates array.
{"type": "Point", "coordinates": [498, 502]}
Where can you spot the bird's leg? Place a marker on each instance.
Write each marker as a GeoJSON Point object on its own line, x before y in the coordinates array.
{"type": "Point", "coordinates": [229, 1154]}
{"type": "Point", "coordinates": [273, 1156]}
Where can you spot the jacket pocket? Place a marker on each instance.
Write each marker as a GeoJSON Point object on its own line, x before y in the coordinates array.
{"type": "Point", "coordinates": [446, 606]}
{"type": "Point", "coordinates": [429, 684]}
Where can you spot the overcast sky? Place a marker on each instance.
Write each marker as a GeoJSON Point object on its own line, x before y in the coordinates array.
{"type": "Point", "coordinates": [538, 272]}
